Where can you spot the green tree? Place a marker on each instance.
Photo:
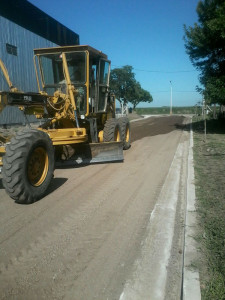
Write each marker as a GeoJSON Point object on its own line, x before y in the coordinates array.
{"type": "Point", "coordinates": [205, 44]}
{"type": "Point", "coordinates": [140, 95]}
{"type": "Point", "coordinates": [122, 82]}
{"type": "Point", "coordinates": [126, 88]}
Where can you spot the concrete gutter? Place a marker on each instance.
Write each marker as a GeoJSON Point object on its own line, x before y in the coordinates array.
{"type": "Point", "coordinates": [157, 247]}
{"type": "Point", "coordinates": [149, 280]}
{"type": "Point", "coordinates": [191, 283]}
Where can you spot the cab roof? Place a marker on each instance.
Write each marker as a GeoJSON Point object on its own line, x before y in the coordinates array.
{"type": "Point", "coordinates": [93, 52]}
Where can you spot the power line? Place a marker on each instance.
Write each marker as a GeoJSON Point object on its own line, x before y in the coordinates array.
{"type": "Point", "coordinates": [186, 92]}
{"type": "Point", "coordinates": [174, 91]}
{"type": "Point", "coordinates": [155, 71]}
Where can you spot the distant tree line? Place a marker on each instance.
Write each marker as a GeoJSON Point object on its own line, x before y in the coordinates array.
{"type": "Point", "coordinates": [126, 88]}
{"type": "Point", "coordinates": [205, 44]}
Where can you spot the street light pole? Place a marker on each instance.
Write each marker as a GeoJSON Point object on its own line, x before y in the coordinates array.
{"type": "Point", "coordinates": [171, 98]}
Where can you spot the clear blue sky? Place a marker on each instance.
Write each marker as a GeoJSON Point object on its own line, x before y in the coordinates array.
{"type": "Point", "coordinates": [146, 34]}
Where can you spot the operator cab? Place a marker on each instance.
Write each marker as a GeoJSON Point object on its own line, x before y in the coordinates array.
{"type": "Point", "coordinates": [88, 71]}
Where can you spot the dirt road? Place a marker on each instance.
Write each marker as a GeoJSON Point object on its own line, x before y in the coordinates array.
{"type": "Point", "coordinates": [91, 236]}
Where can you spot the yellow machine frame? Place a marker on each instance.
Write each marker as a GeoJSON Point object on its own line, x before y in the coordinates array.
{"type": "Point", "coordinates": [70, 133]}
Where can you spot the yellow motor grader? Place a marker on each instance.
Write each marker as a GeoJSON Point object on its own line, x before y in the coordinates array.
{"type": "Point", "coordinates": [77, 120]}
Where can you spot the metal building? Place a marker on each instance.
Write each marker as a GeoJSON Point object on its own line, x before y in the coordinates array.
{"type": "Point", "coordinates": [24, 27]}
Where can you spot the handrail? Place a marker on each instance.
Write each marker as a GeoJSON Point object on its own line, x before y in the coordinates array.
{"type": "Point", "coordinates": [6, 75]}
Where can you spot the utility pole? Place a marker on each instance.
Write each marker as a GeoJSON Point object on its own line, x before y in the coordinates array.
{"type": "Point", "coordinates": [171, 98]}
{"type": "Point", "coordinates": [204, 108]}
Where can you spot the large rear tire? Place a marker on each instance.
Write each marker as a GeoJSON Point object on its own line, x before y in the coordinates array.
{"type": "Point", "coordinates": [126, 133]}
{"type": "Point", "coordinates": [112, 131]}
{"type": "Point", "coordinates": [28, 166]}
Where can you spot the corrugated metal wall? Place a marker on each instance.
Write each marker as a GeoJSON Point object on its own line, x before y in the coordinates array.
{"type": "Point", "coordinates": [20, 67]}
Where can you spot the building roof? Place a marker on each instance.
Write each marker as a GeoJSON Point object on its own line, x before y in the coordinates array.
{"type": "Point", "coordinates": [35, 20]}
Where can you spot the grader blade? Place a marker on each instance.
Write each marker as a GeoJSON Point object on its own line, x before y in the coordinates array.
{"type": "Point", "coordinates": [106, 152]}
{"type": "Point", "coordinates": [94, 153]}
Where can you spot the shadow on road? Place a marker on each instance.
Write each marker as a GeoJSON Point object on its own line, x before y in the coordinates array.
{"type": "Point", "coordinates": [1, 185]}
{"type": "Point", "coordinates": [55, 184]}
{"type": "Point", "coordinates": [185, 127]}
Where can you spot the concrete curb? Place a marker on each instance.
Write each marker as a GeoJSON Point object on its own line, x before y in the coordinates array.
{"type": "Point", "coordinates": [153, 266]}
{"type": "Point", "coordinates": [191, 283]}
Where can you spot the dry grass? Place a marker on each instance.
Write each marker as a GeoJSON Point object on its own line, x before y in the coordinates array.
{"type": "Point", "coordinates": [209, 157]}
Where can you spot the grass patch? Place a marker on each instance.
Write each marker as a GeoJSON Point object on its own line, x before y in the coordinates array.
{"type": "Point", "coordinates": [209, 160]}
{"type": "Point", "coordinates": [166, 110]}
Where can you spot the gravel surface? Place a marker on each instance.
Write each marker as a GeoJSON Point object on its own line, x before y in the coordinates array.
{"type": "Point", "coordinates": [89, 236]}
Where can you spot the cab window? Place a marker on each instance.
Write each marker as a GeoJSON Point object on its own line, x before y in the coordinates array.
{"type": "Point", "coordinates": [77, 67]}
{"type": "Point", "coordinates": [103, 84]}
{"type": "Point", "coordinates": [104, 73]}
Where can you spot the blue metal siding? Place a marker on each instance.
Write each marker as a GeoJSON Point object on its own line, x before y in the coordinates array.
{"type": "Point", "coordinates": [13, 115]}
{"type": "Point", "coordinates": [20, 67]}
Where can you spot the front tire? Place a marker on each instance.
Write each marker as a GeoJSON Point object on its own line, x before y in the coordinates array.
{"type": "Point", "coordinates": [112, 131]}
{"type": "Point", "coordinates": [126, 133]}
{"type": "Point", "coordinates": [28, 166]}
